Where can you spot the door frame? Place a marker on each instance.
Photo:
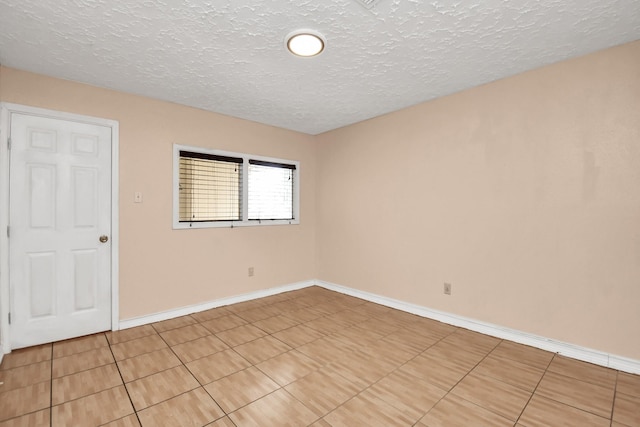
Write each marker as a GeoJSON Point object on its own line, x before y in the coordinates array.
{"type": "Point", "coordinates": [6, 109]}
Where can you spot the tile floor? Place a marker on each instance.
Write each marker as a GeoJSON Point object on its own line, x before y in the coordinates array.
{"type": "Point", "coordinates": [307, 358]}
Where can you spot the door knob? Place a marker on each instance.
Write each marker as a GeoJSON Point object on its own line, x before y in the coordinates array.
{"type": "Point", "coordinates": [103, 239]}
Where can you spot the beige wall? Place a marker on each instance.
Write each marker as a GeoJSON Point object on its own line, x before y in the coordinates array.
{"type": "Point", "coordinates": [524, 194]}
{"type": "Point", "coordinates": [161, 268]}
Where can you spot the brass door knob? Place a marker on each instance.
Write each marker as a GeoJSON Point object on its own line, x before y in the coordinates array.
{"type": "Point", "coordinates": [104, 239]}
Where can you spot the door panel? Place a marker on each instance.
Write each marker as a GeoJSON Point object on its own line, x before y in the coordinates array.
{"type": "Point", "coordinates": [60, 204]}
{"type": "Point", "coordinates": [41, 283]}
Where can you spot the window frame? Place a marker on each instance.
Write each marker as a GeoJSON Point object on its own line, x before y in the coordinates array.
{"type": "Point", "coordinates": [245, 221]}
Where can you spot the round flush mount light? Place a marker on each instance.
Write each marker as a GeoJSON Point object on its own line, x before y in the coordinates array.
{"type": "Point", "coordinates": [305, 43]}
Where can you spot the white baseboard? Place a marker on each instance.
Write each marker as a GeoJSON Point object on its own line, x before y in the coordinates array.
{"type": "Point", "coordinates": [566, 349]}
{"type": "Point", "coordinates": [1, 353]}
{"type": "Point", "coordinates": [183, 311]}
{"type": "Point", "coordinates": [569, 350]}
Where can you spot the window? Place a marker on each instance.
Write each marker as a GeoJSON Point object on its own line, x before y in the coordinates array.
{"type": "Point", "coordinates": [214, 188]}
{"type": "Point", "coordinates": [270, 190]}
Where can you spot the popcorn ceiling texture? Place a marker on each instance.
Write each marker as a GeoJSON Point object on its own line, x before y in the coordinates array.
{"type": "Point", "coordinates": [229, 56]}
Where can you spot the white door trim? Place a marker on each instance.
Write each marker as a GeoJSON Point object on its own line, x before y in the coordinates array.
{"type": "Point", "coordinates": [5, 304]}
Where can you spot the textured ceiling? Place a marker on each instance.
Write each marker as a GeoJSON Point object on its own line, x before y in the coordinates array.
{"type": "Point", "coordinates": [229, 56]}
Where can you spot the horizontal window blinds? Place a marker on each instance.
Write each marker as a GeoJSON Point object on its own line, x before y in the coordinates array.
{"type": "Point", "coordinates": [210, 187]}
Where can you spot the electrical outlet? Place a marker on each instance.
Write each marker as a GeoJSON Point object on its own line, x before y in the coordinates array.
{"type": "Point", "coordinates": [447, 288]}
{"type": "Point", "coordinates": [250, 271]}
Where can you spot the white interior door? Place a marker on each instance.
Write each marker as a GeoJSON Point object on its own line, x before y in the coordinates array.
{"type": "Point", "coordinates": [60, 225]}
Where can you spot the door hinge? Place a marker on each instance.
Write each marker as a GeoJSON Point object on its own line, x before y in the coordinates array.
{"type": "Point", "coordinates": [9, 143]}
{"type": "Point", "coordinates": [9, 318]}
{"type": "Point", "coordinates": [8, 231]}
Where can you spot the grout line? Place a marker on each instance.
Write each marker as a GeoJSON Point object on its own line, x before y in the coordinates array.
{"type": "Point", "coordinates": [135, 411]}
{"type": "Point", "coordinates": [51, 391]}
{"type": "Point", "coordinates": [613, 402]}
{"type": "Point", "coordinates": [533, 393]}
{"type": "Point", "coordinates": [200, 385]}
{"type": "Point", "coordinates": [448, 392]}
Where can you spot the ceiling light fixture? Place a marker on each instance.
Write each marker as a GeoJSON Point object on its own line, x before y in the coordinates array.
{"type": "Point", "coordinates": [305, 43]}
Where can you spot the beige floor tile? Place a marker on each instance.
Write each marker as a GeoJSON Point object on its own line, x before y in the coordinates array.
{"type": "Point", "coordinates": [34, 419]}
{"type": "Point", "coordinates": [258, 313]}
{"type": "Point", "coordinates": [147, 364]}
{"type": "Point", "coordinates": [628, 384]}
{"type": "Point", "coordinates": [373, 309]}
{"type": "Point", "coordinates": [217, 365]}
{"type": "Point", "coordinates": [322, 390]}
{"type": "Point", "coordinates": [510, 371]}
{"type": "Point", "coordinates": [284, 307]}
{"type": "Point", "coordinates": [245, 305]}
{"type": "Point", "coordinates": [239, 389]}
{"type": "Point", "coordinates": [199, 348]}
{"type": "Point", "coordinates": [26, 356]}
{"type": "Point", "coordinates": [24, 400]}
{"type": "Point", "coordinates": [177, 322]}
{"type": "Point", "coordinates": [79, 345]}
{"type": "Point", "coordinates": [93, 410]}
{"type": "Point", "coordinates": [183, 334]}
{"type": "Point", "coordinates": [310, 357]}
{"type": "Point", "coordinates": [128, 421]}
{"type": "Point", "coordinates": [137, 347]}
{"type": "Point", "coordinates": [240, 335]}
{"type": "Point", "coordinates": [453, 411]}
{"type": "Point", "coordinates": [626, 410]}
{"type": "Point", "coordinates": [367, 410]}
{"type": "Point", "coordinates": [222, 422]}
{"type": "Point", "coordinates": [463, 357]}
{"type": "Point", "coordinates": [580, 394]}
{"type": "Point", "coordinates": [378, 325]}
{"type": "Point", "coordinates": [274, 324]}
{"type": "Point", "coordinates": [390, 352]}
{"type": "Point", "coordinates": [303, 315]}
{"type": "Point", "coordinates": [472, 341]}
{"type": "Point", "coordinates": [23, 376]}
{"type": "Point", "coordinates": [124, 335]}
{"type": "Point", "coordinates": [298, 335]}
{"type": "Point", "coordinates": [410, 341]}
{"type": "Point", "coordinates": [583, 371]}
{"type": "Point", "coordinates": [325, 350]}
{"type": "Point", "coordinates": [320, 423]}
{"type": "Point", "coordinates": [278, 409]}
{"type": "Point", "coordinates": [288, 367]}
{"type": "Point", "coordinates": [524, 354]}
{"type": "Point", "coordinates": [413, 396]}
{"type": "Point", "coordinates": [328, 308]}
{"type": "Point", "coordinates": [352, 317]}
{"type": "Point", "coordinates": [362, 369]}
{"type": "Point", "coordinates": [439, 372]}
{"type": "Point", "coordinates": [262, 349]}
{"type": "Point", "coordinates": [542, 412]}
{"type": "Point", "coordinates": [492, 394]}
{"type": "Point", "coordinates": [359, 336]}
{"type": "Point", "coordinates": [193, 409]}
{"type": "Point", "coordinates": [431, 328]}
{"type": "Point", "coordinates": [81, 361]}
{"type": "Point", "coordinates": [84, 383]}
{"type": "Point", "coordinates": [399, 319]}
{"type": "Point", "coordinates": [214, 313]}
{"type": "Point", "coordinates": [224, 323]}
{"type": "Point", "coordinates": [325, 325]}
{"type": "Point", "coordinates": [348, 300]}
{"type": "Point", "coordinates": [159, 387]}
